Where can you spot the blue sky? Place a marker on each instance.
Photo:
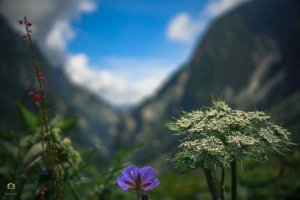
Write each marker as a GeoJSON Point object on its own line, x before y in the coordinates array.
{"type": "Point", "coordinates": [132, 29]}
{"type": "Point", "coordinates": [121, 50]}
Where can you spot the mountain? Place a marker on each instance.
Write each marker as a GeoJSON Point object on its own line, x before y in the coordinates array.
{"type": "Point", "coordinates": [96, 119]}
{"type": "Point", "coordinates": [249, 57]}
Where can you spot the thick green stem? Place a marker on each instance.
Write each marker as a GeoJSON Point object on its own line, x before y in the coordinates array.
{"type": "Point", "coordinates": [212, 185]}
{"type": "Point", "coordinates": [222, 183]}
{"type": "Point", "coordinates": [145, 197]}
{"type": "Point", "coordinates": [233, 180]}
{"type": "Point", "coordinates": [141, 195]}
{"type": "Point", "coordinates": [74, 190]}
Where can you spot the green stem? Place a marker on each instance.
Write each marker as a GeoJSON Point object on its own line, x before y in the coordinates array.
{"type": "Point", "coordinates": [145, 197]}
{"type": "Point", "coordinates": [44, 118]}
{"type": "Point", "coordinates": [222, 183]}
{"type": "Point", "coordinates": [212, 185]}
{"type": "Point", "coordinates": [233, 180]}
{"type": "Point", "coordinates": [74, 190]}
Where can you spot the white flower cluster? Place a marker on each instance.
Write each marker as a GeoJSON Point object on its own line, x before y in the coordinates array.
{"type": "Point", "coordinates": [281, 131]}
{"type": "Point", "coordinates": [239, 140]}
{"type": "Point", "coordinates": [215, 136]}
{"type": "Point", "coordinates": [269, 136]}
{"type": "Point", "coordinates": [210, 145]}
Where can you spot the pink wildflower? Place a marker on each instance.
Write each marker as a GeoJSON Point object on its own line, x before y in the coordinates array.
{"type": "Point", "coordinates": [20, 22]}
{"type": "Point", "coordinates": [41, 78]}
{"type": "Point", "coordinates": [29, 23]}
{"type": "Point", "coordinates": [24, 37]}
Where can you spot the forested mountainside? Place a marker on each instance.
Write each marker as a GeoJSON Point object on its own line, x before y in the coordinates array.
{"type": "Point", "coordinates": [249, 57]}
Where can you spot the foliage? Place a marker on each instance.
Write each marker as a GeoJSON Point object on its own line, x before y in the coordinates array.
{"type": "Point", "coordinates": [218, 135]}
{"type": "Point", "coordinates": [107, 182]}
{"type": "Point", "coordinates": [31, 173]}
{"type": "Point", "coordinates": [254, 182]}
{"type": "Point", "coordinates": [81, 178]}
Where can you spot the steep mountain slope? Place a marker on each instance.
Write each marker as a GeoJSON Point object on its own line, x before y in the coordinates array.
{"type": "Point", "coordinates": [96, 117]}
{"type": "Point", "coordinates": [248, 57]}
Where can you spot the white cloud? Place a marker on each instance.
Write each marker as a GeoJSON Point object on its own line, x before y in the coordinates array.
{"type": "Point", "coordinates": [218, 7]}
{"type": "Point", "coordinates": [127, 84]}
{"type": "Point", "coordinates": [126, 80]}
{"type": "Point", "coordinates": [51, 21]}
{"type": "Point", "coordinates": [59, 36]}
{"type": "Point", "coordinates": [87, 6]}
{"type": "Point", "coordinates": [183, 28]}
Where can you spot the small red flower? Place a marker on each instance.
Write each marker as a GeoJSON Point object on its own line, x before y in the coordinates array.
{"type": "Point", "coordinates": [24, 37]}
{"type": "Point", "coordinates": [41, 78]}
{"type": "Point", "coordinates": [29, 23]}
{"type": "Point", "coordinates": [20, 22]}
{"type": "Point", "coordinates": [36, 98]}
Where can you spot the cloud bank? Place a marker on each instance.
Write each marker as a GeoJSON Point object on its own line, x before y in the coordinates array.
{"type": "Point", "coordinates": [126, 81]}
{"type": "Point", "coordinates": [219, 7]}
{"type": "Point", "coordinates": [51, 20]}
{"type": "Point", "coordinates": [184, 28]}
{"type": "Point", "coordinates": [122, 86]}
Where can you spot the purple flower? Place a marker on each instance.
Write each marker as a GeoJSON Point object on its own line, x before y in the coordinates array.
{"type": "Point", "coordinates": [133, 178]}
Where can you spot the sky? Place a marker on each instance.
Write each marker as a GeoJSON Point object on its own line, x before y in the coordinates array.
{"type": "Point", "coordinates": [121, 50]}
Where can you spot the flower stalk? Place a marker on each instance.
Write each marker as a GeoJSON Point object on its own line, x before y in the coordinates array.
{"type": "Point", "coordinates": [212, 185]}
{"type": "Point", "coordinates": [222, 183]}
{"type": "Point", "coordinates": [233, 180]}
{"type": "Point", "coordinates": [52, 160]}
{"type": "Point", "coordinates": [219, 137]}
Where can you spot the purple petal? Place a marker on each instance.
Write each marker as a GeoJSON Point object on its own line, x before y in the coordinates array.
{"type": "Point", "coordinates": [152, 185]}
{"type": "Point", "coordinates": [122, 183]}
{"type": "Point", "coordinates": [130, 173]}
{"type": "Point", "coordinates": [147, 174]}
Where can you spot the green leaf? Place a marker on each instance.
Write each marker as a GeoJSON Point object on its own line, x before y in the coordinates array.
{"type": "Point", "coordinates": [123, 153]}
{"type": "Point", "coordinates": [8, 148]}
{"type": "Point", "coordinates": [29, 120]}
{"type": "Point", "coordinates": [68, 124]}
{"type": "Point", "coordinates": [35, 151]}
